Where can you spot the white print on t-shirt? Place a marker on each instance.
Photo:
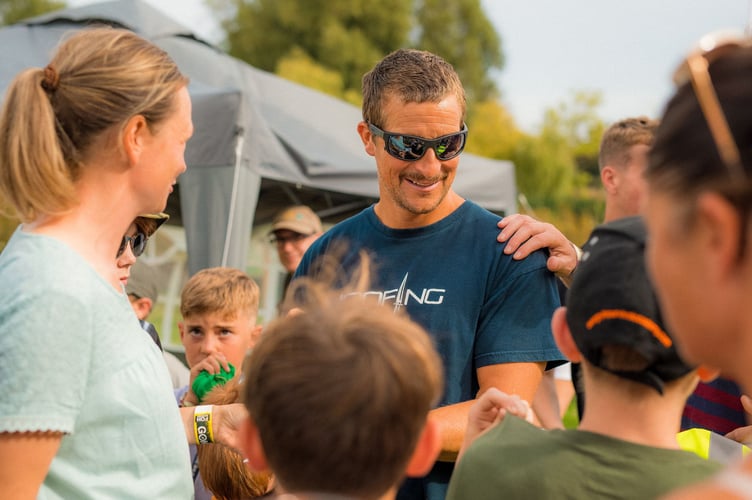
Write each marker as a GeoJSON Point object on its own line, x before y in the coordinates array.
{"type": "Point", "coordinates": [403, 295]}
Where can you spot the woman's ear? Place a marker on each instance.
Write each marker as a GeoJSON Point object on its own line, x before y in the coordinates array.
{"type": "Point", "coordinates": [133, 137]}
{"type": "Point", "coordinates": [707, 374]}
{"type": "Point", "coordinates": [367, 137]}
{"type": "Point", "coordinates": [563, 335]}
{"type": "Point", "coordinates": [721, 230]}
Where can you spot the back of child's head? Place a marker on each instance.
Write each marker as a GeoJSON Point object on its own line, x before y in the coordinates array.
{"type": "Point", "coordinates": [340, 394]}
{"type": "Point", "coordinates": [219, 290]}
{"type": "Point", "coordinates": [613, 312]}
{"type": "Point", "coordinates": [223, 470]}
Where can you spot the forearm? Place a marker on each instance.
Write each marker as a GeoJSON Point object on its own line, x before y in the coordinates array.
{"type": "Point", "coordinates": [452, 421]}
{"type": "Point", "coordinates": [225, 422]}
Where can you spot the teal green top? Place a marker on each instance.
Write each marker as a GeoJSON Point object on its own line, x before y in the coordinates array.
{"type": "Point", "coordinates": [74, 359]}
{"type": "Point", "coordinates": [518, 460]}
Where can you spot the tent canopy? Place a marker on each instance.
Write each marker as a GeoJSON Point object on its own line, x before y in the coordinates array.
{"type": "Point", "coordinates": [260, 142]}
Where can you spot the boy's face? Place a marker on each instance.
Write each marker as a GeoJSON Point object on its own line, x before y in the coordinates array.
{"type": "Point", "coordinates": [204, 335]}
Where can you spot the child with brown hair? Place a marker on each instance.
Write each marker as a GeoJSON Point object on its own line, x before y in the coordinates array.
{"type": "Point", "coordinates": [219, 307]}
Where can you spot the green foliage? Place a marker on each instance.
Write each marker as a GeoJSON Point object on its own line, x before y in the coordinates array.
{"type": "Point", "coordinates": [298, 66]}
{"type": "Point", "coordinates": [555, 164]}
{"type": "Point", "coordinates": [491, 130]}
{"type": "Point", "coordinates": [345, 36]}
{"type": "Point", "coordinates": [460, 32]}
{"type": "Point", "coordinates": [12, 11]}
{"type": "Point", "coordinates": [348, 37]}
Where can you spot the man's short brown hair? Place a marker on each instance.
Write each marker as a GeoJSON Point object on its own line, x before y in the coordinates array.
{"type": "Point", "coordinates": [412, 76]}
{"type": "Point", "coordinates": [340, 394]}
{"type": "Point", "coordinates": [621, 136]}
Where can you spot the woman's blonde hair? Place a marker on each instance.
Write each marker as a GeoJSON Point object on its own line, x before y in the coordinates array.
{"type": "Point", "coordinates": [97, 80]}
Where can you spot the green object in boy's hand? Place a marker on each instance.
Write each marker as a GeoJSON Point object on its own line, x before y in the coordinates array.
{"type": "Point", "coordinates": [205, 381]}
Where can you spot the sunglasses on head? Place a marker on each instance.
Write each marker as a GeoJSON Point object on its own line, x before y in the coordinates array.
{"type": "Point", "coordinates": [695, 69]}
{"type": "Point", "coordinates": [137, 243]}
{"type": "Point", "coordinates": [412, 148]}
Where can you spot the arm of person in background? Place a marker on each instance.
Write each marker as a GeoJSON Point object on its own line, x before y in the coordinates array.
{"type": "Point", "coordinates": [26, 458]}
{"type": "Point", "coordinates": [490, 409]}
{"type": "Point", "coordinates": [546, 403]}
{"type": "Point", "coordinates": [524, 234]}
{"type": "Point", "coordinates": [521, 379]}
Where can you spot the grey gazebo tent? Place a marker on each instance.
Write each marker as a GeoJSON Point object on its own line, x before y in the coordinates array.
{"type": "Point", "coordinates": [260, 142]}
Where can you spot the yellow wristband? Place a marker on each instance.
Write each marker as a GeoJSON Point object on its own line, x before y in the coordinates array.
{"type": "Point", "coordinates": [202, 424]}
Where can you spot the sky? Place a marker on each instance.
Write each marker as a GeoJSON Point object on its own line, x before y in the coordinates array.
{"type": "Point", "coordinates": [625, 50]}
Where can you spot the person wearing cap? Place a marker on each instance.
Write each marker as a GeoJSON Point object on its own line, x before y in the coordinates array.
{"type": "Point", "coordinates": [625, 446]}
{"type": "Point", "coordinates": [293, 230]}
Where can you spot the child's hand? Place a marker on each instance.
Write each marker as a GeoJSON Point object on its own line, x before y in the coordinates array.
{"type": "Point", "coordinates": [213, 363]}
{"type": "Point", "coordinates": [489, 409]}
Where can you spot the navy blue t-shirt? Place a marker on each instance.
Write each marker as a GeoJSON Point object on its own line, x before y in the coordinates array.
{"type": "Point", "coordinates": [479, 305]}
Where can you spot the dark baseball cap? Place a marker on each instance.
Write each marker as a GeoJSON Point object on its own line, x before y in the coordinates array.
{"type": "Point", "coordinates": [612, 303]}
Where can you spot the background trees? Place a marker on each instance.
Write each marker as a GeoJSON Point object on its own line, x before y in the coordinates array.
{"type": "Point", "coordinates": [329, 44]}
{"type": "Point", "coordinates": [12, 11]}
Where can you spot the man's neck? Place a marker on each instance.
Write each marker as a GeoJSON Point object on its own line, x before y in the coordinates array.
{"type": "Point", "coordinates": [398, 218]}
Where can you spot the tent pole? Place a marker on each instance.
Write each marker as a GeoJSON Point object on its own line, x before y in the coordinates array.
{"type": "Point", "coordinates": [233, 197]}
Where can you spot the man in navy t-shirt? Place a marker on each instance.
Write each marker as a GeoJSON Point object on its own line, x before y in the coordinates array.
{"type": "Point", "coordinates": [435, 254]}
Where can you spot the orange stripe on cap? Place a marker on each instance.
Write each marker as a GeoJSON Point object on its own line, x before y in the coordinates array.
{"type": "Point", "coordinates": [633, 317]}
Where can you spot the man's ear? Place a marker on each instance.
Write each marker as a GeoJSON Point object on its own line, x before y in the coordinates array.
{"type": "Point", "coordinates": [609, 179]}
{"type": "Point", "coordinates": [367, 137]}
{"type": "Point", "coordinates": [250, 444]}
{"type": "Point", "coordinates": [563, 335]}
{"type": "Point", "coordinates": [426, 450]}
{"type": "Point", "coordinates": [133, 137]}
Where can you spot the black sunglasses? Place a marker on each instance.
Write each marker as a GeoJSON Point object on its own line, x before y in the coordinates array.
{"type": "Point", "coordinates": [137, 242]}
{"type": "Point", "coordinates": [412, 148]}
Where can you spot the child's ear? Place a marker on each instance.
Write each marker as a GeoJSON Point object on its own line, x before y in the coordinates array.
{"type": "Point", "coordinates": [426, 450]}
{"type": "Point", "coordinates": [142, 306]}
{"type": "Point", "coordinates": [181, 328]}
{"type": "Point", "coordinates": [250, 443]}
{"type": "Point", "coordinates": [563, 335]}
{"type": "Point", "coordinates": [256, 334]}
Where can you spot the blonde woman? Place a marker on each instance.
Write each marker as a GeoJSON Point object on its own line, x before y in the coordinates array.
{"type": "Point", "coordinates": [87, 144]}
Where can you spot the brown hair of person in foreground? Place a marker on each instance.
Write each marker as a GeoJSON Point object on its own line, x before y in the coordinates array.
{"type": "Point", "coordinates": [339, 393]}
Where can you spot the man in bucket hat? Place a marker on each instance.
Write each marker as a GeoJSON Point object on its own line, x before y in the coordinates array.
{"type": "Point", "coordinates": [637, 385]}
